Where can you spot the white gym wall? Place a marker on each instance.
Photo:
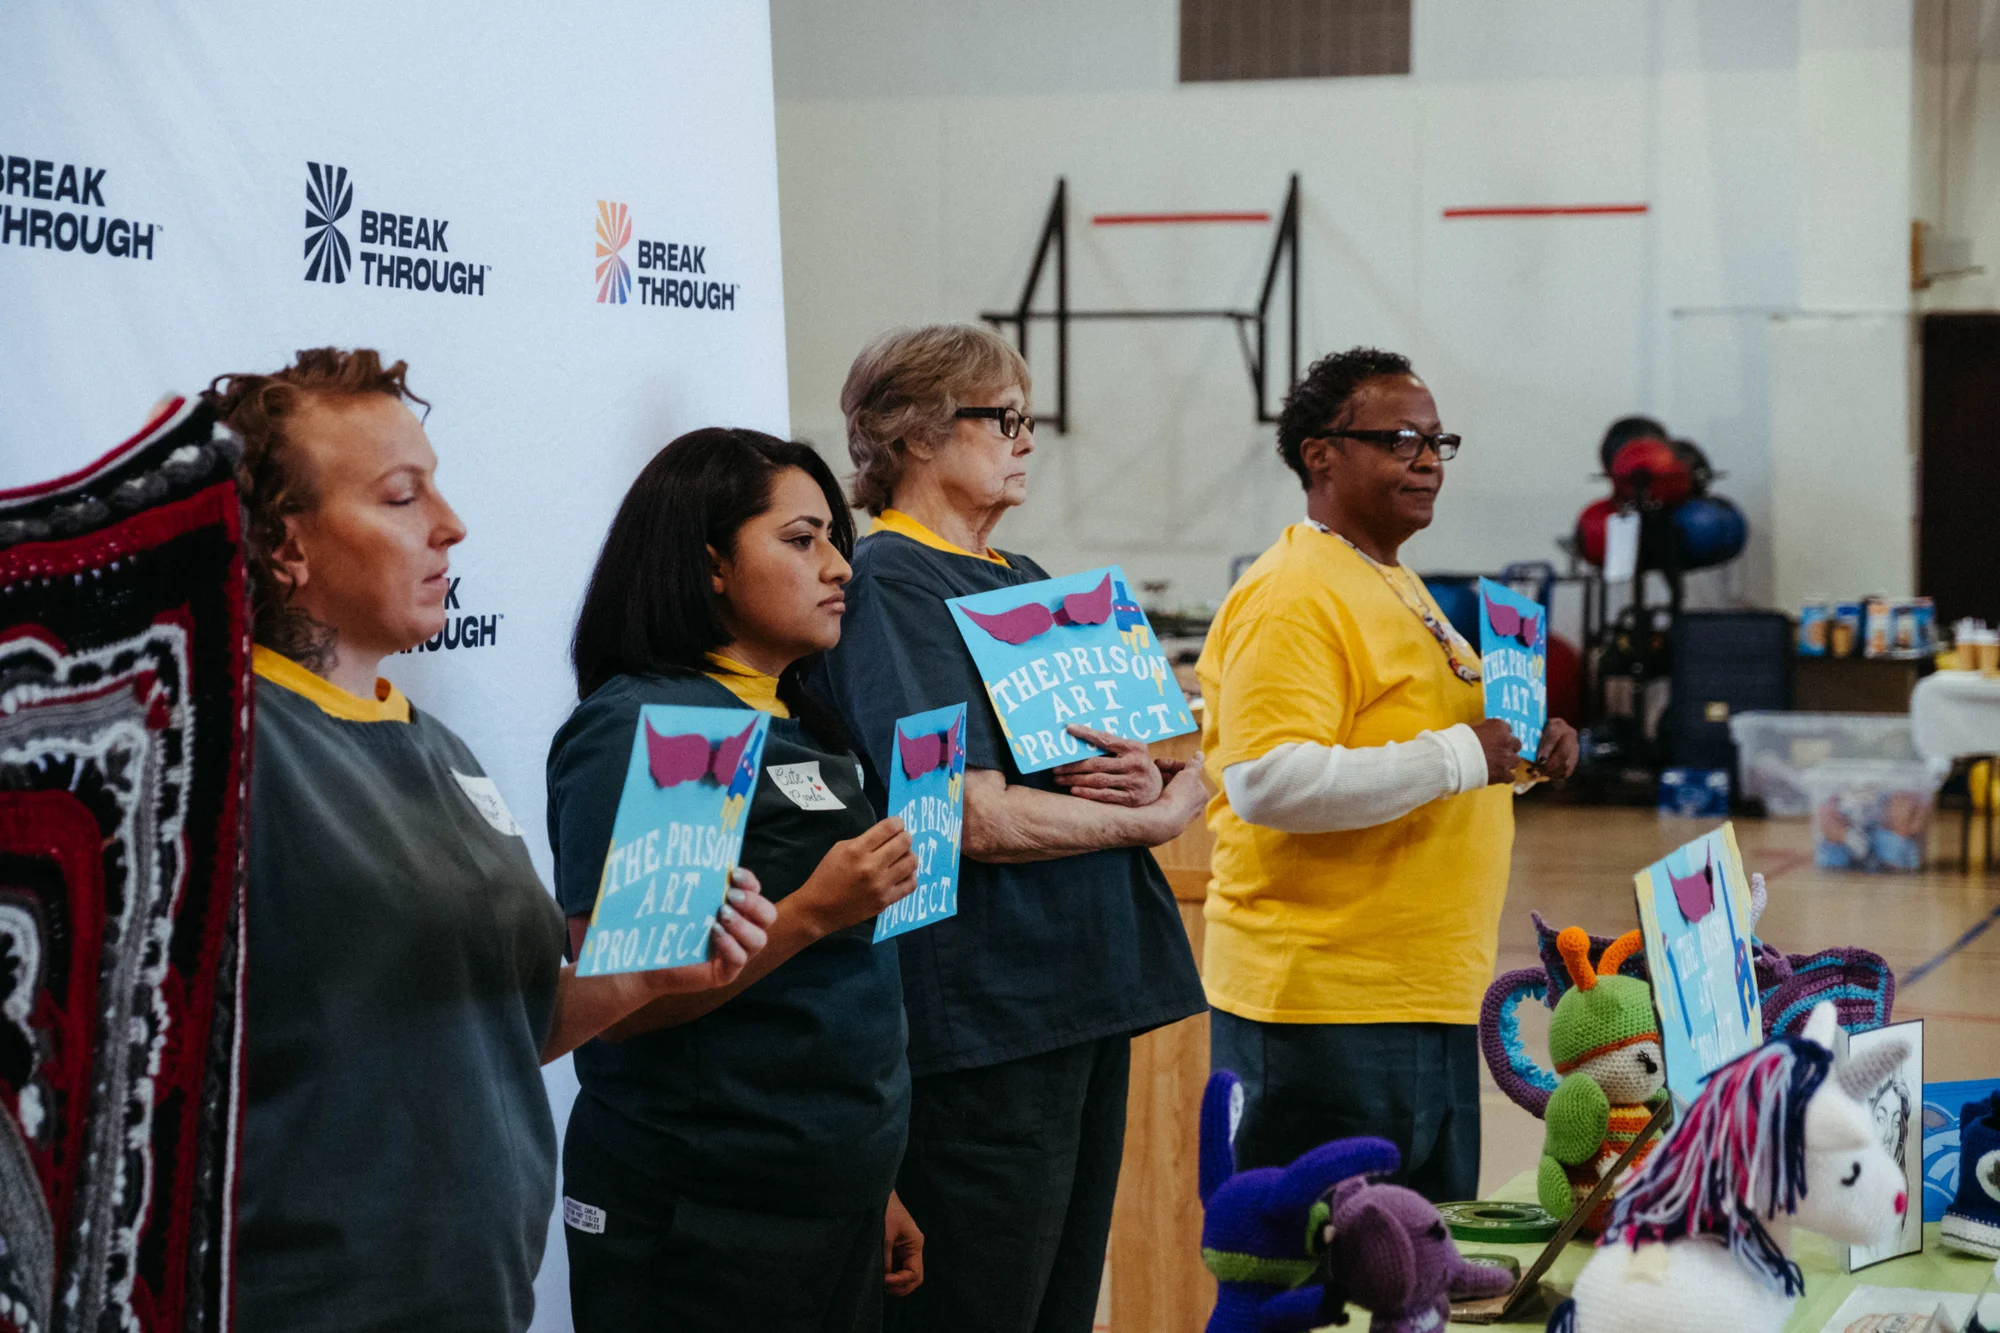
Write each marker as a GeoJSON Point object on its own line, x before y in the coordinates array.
{"type": "Point", "coordinates": [1760, 307]}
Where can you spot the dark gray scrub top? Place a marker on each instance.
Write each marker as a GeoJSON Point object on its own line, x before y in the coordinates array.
{"type": "Point", "coordinates": [793, 1096]}
{"type": "Point", "coordinates": [1041, 955]}
{"type": "Point", "coordinates": [399, 1156]}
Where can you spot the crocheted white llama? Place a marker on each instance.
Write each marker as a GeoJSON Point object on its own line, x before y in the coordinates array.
{"type": "Point", "coordinates": [1698, 1241]}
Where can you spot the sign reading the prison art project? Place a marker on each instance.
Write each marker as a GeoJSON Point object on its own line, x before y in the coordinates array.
{"type": "Point", "coordinates": [675, 839]}
{"type": "Point", "coordinates": [927, 792]}
{"type": "Point", "coordinates": [1514, 662]}
{"type": "Point", "coordinates": [1694, 908]}
{"type": "Point", "coordinates": [441, 183]}
{"type": "Point", "coordinates": [1070, 651]}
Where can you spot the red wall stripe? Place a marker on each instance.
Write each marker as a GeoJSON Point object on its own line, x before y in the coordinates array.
{"type": "Point", "coordinates": [1143, 219]}
{"type": "Point", "coordinates": [1546, 211]}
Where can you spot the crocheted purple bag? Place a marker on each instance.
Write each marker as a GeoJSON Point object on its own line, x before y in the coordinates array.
{"type": "Point", "coordinates": [1859, 983]}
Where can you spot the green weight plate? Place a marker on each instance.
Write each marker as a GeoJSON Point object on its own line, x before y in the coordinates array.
{"type": "Point", "coordinates": [1499, 1223]}
{"type": "Point", "coordinates": [1506, 1263]}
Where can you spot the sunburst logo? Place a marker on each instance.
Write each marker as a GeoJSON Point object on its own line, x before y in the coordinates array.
{"type": "Point", "coordinates": [614, 233]}
{"type": "Point", "coordinates": [328, 197]}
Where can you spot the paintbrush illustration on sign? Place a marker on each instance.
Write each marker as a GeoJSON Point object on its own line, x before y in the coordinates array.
{"type": "Point", "coordinates": [1694, 908]}
{"type": "Point", "coordinates": [1514, 661]}
{"type": "Point", "coordinates": [927, 792]}
{"type": "Point", "coordinates": [676, 837]}
{"type": "Point", "coordinates": [1070, 650]}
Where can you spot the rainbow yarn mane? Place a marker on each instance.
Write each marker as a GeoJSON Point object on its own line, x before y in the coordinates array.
{"type": "Point", "coordinates": [1739, 1150]}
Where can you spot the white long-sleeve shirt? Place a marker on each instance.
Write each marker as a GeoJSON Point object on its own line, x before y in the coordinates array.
{"type": "Point", "coordinates": [1302, 787]}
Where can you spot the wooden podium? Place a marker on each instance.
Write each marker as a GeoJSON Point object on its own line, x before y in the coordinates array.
{"type": "Point", "coordinates": [1158, 1284]}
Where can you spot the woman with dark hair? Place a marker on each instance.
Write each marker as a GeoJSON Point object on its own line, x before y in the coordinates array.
{"type": "Point", "coordinates": [730, 1159]}
{"type": "Point", "coordinates": [405, 975]}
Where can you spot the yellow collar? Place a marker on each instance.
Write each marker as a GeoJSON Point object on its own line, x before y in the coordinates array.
{"type": "Point", "coordinates": [747, 683]}
{"type": "Point", "coordinates": [896, 521]}
{"type": "Point", "coordinates": [388, 705]}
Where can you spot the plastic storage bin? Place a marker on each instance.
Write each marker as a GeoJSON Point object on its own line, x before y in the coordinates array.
{"type": "Point", "coordinates": [1774, 751]}
{"type": "Point", "coordinates": [1872, 814]}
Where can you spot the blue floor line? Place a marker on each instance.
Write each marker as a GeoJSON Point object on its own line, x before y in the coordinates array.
{"type": "Point", "coordinates": [1916, 974]}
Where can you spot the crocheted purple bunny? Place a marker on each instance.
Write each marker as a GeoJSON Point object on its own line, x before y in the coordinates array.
{"type": "Point", "coordinates": [1390, 1253]}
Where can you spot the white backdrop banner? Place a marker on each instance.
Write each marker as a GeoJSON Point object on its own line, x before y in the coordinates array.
{"type": "Point", "coordinates": [566, 220]}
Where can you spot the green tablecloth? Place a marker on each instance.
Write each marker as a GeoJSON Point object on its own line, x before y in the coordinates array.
{"type": "Point", "coordinates": [1824, 1264]}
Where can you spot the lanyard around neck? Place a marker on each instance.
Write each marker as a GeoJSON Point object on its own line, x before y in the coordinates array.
{"type": "Point", "coordinates": [1447, 638]}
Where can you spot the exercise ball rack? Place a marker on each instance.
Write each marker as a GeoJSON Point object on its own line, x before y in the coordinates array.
{"type": "Point", "coordinates": [1253, 326]}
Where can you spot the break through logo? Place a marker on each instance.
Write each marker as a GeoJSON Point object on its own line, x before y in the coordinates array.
{"type": "Point", "coordinates": [328, 197]}
{"type": "Point", "coordinates": [461, 631]}
{"type": "Point", "coordinates": [424, 264]}
{"type": "Point", "coordinates": [614, 275]}
{"type": "Point", "coordinates": [614, 233]}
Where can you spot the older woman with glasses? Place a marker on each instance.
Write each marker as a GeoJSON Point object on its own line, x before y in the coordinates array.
{"type": "Point", "coordinates": [1365, 824]}
{"type": "Point", "coordinates": [1067, 941]}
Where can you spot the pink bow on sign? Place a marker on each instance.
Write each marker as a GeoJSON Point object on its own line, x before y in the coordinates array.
{"type": "Point", "coordinates": [1026, 621]}
{"type": "Point", "coordinates": [932, 751]}
{"type": "Point", "coordinates": [1526, 627]}
{"type": "Point", "coordinates": [1694, 894]}
{"type": "Point", "coordinates": [687, 758]}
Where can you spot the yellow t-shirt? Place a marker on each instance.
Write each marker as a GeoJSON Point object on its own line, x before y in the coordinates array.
{"type": "Point", "coordinates": [895, 520]}
{"type": "Point", "coordinates": [388, 705]}
{"type": "Point", "coordinates": [1393, 924]}
{"type": "Point", "coordinates": [747, 683]}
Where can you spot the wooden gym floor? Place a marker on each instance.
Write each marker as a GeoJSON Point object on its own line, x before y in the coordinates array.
{"type": "Point", "coordinates": [1939, 930]}
{"type": "Point", "coordinates": [1574, 864]}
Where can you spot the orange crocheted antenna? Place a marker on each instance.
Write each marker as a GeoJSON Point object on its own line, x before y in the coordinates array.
{"type": "Point", "coordinates": [1620, 949]}
{"type": "Point", "coordinates": [1574, 946]}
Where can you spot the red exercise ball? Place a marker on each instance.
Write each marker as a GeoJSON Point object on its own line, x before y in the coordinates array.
{"type": "Point", "coordinates": [1590, 529]}
{"type": "Point", "coordinates": [1565, 681]}
{"type": "Point", "coordinates": [1652, 465]}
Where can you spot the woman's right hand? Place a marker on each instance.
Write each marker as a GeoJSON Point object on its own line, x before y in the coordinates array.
{"type": "Point", "coordinates": [1182, 800]}
{"type": "Point", "coordinates": [1502, 747]}
{"type": "Point", "coordinates": [858, 878]}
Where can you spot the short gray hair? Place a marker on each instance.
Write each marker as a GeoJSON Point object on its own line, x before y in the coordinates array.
{"type": "Point", "coordinates": [908, 385]}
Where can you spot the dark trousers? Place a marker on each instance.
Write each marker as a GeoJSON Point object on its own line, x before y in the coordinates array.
{"type": "Point", "coordinates": [1304, 1084]}
{"type": "Point", "coordinates": [1010, 1175]}
{"type": "Point", "coordinates": [682, 1265]}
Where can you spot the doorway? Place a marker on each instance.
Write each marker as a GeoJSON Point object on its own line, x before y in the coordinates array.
{"type": "Point", "coordinates": [1958, 525]}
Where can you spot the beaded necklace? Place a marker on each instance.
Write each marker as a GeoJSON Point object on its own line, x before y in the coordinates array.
{"type": "Point", "coordinates": [1447, 638]}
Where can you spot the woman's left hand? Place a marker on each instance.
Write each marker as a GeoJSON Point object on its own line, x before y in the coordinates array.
{"type": "Point", "coordinates": [902, 1250]}
{"type": "Point", "coordinates": [1126, 775]}
{"type": "Point", "coordinates": [740, 932]}
{"type": "Point", "coordinates": [1557, 758]}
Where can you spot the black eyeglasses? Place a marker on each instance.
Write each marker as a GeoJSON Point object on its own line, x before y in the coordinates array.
{"type": "Point", "coordinates": [1404, 444]}
{"type": "Point", "coordinates": [1012, 423]}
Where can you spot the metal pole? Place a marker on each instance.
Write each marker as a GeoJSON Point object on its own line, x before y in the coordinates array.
{"type": "Point", "coordinates": [1292, 229]}
{"type": "Point", "coordinates": [1062, 306]}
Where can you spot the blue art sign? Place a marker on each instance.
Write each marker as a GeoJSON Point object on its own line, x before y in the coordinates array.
{"type": "Point", "coordinates": [676, 838]}
{"type": "Point", "coordinates": [1694, 909]}
{"type": "Point", "coordinates": [1514, 662]}
{"type": "Point", "coordinates": [927, 792]}
{"type": "Point", "coordinates": [1070, 650]}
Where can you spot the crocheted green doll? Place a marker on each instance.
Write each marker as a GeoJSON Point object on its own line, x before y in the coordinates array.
{"type": "Point", "coordinates": [1606, 1045]}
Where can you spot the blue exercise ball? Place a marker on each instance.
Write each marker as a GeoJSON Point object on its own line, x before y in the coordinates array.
{"type": "Point", "coordinates": [1711, 531]}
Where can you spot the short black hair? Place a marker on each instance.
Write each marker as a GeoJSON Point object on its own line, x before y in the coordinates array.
{"type": "Point", "coordinates": [1317, 401]}
{"type": "Point", "coordinates": [650, 609]}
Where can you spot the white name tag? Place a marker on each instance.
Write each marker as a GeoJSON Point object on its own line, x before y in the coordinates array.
{"type": "Point", "coordinates": [485, 798]}
{"type": "Point", "coordinates": [582, 1216]}
{"type": "Point", "coordinates": [805, 786]}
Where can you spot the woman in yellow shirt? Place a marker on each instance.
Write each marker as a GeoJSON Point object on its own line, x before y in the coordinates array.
{"type": "Point", "coordinates": [1363, 823]}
